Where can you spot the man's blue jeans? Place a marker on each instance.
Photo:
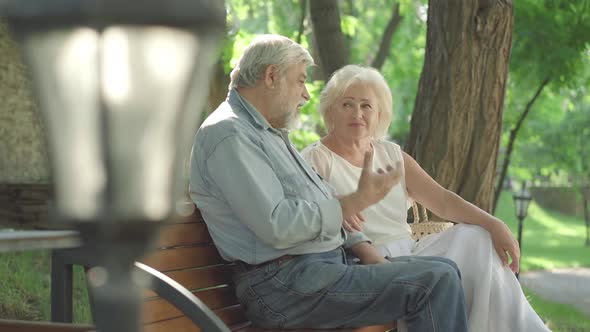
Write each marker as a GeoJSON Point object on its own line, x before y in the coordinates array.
{"type": "Point", "coordinates": [325, 291]}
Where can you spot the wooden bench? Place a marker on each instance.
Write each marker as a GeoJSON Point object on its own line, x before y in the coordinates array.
{"type": "Point", "coordinates": [187, 255]}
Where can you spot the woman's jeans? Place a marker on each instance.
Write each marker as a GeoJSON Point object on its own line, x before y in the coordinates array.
{"type": "Point", "coordinates": [324, 291]}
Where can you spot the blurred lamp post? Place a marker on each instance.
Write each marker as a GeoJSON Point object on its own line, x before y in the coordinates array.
{"type": "Point", "coordinates": [120, 85]}
{"type": "Point", "coordinates": [522, 200]}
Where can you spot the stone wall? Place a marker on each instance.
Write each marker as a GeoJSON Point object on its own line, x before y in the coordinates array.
{"type": "Point", "coordinates": [24, 206]}
{"type": "Point", "coordinates": [22, 145]}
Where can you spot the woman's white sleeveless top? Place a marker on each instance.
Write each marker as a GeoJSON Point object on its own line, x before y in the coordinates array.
{"type": "Point", "coordinates": [384, 221]}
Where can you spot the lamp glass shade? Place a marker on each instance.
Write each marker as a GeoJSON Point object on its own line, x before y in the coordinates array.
{"type": "Point", "coordinates": [118, 104]}
{"type": "Point", "coordinates": [64, 65]}
{"type": "Point", "coordinates": [522, 200]}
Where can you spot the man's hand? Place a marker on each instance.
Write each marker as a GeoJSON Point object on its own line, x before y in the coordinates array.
{"type": "Point", "coordinates": [372, 187]}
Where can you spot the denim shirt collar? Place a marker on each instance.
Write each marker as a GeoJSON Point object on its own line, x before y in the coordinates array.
{"type": "Point", "coordinates": [240, 103]}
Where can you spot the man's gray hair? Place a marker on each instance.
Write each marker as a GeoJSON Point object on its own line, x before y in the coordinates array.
{"type": "Point", "coordinates": [345, 77]}
{"type": "Point", "coordinates": [267, 50]}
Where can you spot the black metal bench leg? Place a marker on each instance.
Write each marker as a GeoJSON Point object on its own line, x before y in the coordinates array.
{"type": "Point", "coordinates": [61, 289]}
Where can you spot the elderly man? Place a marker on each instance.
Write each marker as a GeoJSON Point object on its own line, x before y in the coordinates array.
{"type": "Point", "coordinates": [269, 212]}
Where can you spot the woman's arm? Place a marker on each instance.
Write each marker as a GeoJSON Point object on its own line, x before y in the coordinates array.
{"type": "Point", "coordinates": [450, 206]}
{"type": "Point", "coordinates": [442, 202]}
{"type": "Point", "coordinates": [367, 253]}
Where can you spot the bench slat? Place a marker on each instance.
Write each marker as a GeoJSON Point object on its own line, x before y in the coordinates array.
{"type": "Point", "coordinates": [183, 234]}
{"type": "Point", "coordinates": [375, 328]}
{"type": "Point", "coordinates": [183, 258]}
{"type": "Point", "coordinates": [195, 279]}
{"type": "Point", "coordinates": [204, 277]}
{"type": "Point", "coordinates": [181, 324]}
{"type": "Point", "coordinates": [230, 316]}
{"type": "Point", "coordinates": [159, 309]}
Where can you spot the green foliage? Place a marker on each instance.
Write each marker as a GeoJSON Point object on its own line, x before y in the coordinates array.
{"type": "Point", "coordinates": [549, 39]}
{"type": "Point", "coordinates": [302, 138]}
{"type": "Point", "coordinates": [349, 24]}
{"type": "Point", "coordinates": [312, 125]}
{"type": "Point", "coordinates": [363, 24]}
{"type": "Point", "coordinates": [249, 18]}
{"type": "Point", "coordinates": [227, 53]}
{"type": "Point", "coordinates": [555, 140]}
{"type": "Point", "coordinates": [404, 63]}
{"type": "Point", "coordinates": [285, 19]}
{"type": "Point", "coordinates": [402, 70]}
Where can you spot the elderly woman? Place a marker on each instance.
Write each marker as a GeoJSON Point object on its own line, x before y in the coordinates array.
{"type": "Point", "coordinates": [356, 107]}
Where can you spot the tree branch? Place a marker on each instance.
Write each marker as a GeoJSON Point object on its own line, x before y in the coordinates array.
{"type": "Point", "coordinates": [512, 139]}
{"type": "Point", "coordinates": [331, 45]}
{"type": "Point", "coordinates": [386, 38]}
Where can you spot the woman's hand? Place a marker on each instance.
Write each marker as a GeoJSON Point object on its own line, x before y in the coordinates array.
{"type": "Point", "coordinates": [354, 223]}
{"type": "Point", "coordinates": [505, 245]}
{"type": "Point", "coordinates": [367, 253]}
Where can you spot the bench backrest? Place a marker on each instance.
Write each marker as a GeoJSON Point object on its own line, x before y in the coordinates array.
{"type": "Point", "coordinates": [186, 254]}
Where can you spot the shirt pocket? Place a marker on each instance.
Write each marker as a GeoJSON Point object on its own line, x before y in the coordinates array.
{"type": "Point", "coordinates": [294, 185]}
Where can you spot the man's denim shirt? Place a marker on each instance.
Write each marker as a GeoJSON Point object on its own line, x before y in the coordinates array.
{"type": "Point", "coordinates": [259, 198]}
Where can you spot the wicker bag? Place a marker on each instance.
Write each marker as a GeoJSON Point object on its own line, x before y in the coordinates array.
{"type": "Point", "coordinates": [422, 226]}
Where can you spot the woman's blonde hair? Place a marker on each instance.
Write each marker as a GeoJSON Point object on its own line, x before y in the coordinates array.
{"type": "Point", "coordinates": [344, 78]}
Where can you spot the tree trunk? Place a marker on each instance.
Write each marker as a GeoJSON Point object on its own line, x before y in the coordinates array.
{"type": "Point", "coordinates": [510, 146]}
{"type": "Point", "coordinates": [329, 39]}
{"type": "Point", "coordinates": [457, 120]}
{"type": "Point", "coordinates": [219, 86]}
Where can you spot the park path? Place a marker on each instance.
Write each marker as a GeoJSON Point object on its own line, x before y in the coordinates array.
{"type": "Point", "coordinates": [567, 286]}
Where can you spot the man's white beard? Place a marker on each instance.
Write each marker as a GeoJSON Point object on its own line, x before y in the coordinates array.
{"type": "Point", "coordinates": [293, 121]}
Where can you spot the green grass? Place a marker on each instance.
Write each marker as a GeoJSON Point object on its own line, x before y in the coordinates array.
{"type": "Point", "coordinates": [25, 287]}
{"type": "Point", "coordinates": [549, 239]}
{"type": "Point", "coordinates": [559, 317]}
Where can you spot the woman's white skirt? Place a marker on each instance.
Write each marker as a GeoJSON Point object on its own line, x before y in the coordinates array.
{"type": "Point", "coordinates": [494, 298]}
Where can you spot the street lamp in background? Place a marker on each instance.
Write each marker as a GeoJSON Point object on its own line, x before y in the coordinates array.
{"type": "Point", "coordinates": [522, 199]}
{"type": "Point", "coordinates": [120, 86]}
